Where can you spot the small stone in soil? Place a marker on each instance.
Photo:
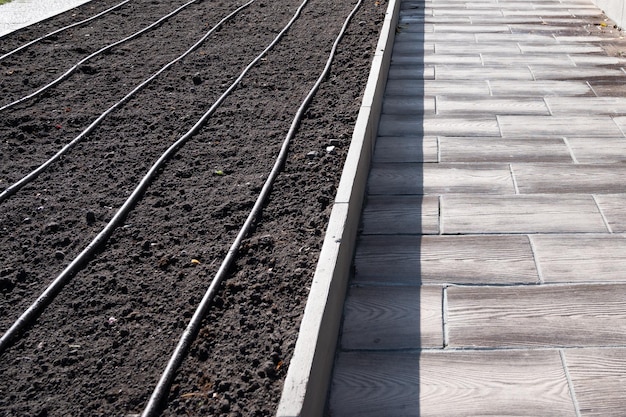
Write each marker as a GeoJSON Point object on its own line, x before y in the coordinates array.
{"type": "Point", "coordinates": [312, 154]}
{"type": "Point", "coordinates": [52, 227]}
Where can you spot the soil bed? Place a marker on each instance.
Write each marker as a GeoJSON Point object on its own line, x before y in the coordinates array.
{"type": "Point", "coordinates": [102, 344]}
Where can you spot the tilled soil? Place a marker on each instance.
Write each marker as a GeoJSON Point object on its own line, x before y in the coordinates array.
{"type": "Point", "coordinates": [101, 345]}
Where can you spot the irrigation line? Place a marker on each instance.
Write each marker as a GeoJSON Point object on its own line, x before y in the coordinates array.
{"type": "Point", "coordinates": [63, 29]}
{"type": "Point", "coordinates": [163, 386]}
{"type": "Point", "coordinates": [81, 260]}
{"type": "Point", "coordinates": [13, 188]}
{"type": "Point", "coordinates": [94, 54]}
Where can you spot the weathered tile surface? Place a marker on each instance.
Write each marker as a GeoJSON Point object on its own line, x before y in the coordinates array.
{"type": "Point", "coordinates": [533, 316]}
{"type": "Point", "coordinates": [569, 178]}
{"type": "Point", "coordinates": [450, 384]}
{"type": "Point", "coordinates": [383, 317]}
{"type": "Point", "coordinates": [581, 258]}
{"type": "Point", "coordinates": [390, 179]}
{"type": "Point", "coordinates": [463, 259]}
{"type": "Point", "coordinates": [401, 215]}
{"type": "Point", "coordinates": [406, 149]}
{"type": "Point", "coordinates": [497, 150]}
{"type": "Point", "coordinates": [520, 214]}
{"type": "Point", "coordinates": [598, 379]}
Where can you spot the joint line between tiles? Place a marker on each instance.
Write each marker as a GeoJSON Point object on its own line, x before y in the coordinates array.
{"type": "Point", "coordinates": [513, 179]}
{"type": "Point", "coordinates": [604, 219]}
{"type": "Point", "coordinates": [444, 316]}
{"type": "Point", "coordinates": [440, 214]}
{"type": "Point", "coordinates": [570, 150]}
{"type": "Point", "coordinates": [570, 383]}
{"type": "Point", "coordinates": [533, 249]}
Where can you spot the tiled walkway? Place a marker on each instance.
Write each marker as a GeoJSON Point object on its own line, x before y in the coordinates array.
{"type": "Point", "coordinates": [490, 274]}
{"type": "Point", "coordinates": [21, 13]}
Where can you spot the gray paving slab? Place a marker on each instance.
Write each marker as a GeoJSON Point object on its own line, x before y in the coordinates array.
{"type": "Point", "coordinates": [495, 150]}
{"type": "Point", "coordinates": [598, 150]}
{"type": "Point", "coordinates": [581, 257]}
{"type": "Point", "coordinates": [384, 317]}
{"type": "Point", "coordinates": [396, 87]}
{"type": "Point", "coordinates": [478, 383]}
{"type": "Point", "coordinates": [598, 378]}
{"type": "Point", "coordinates": [459, 259]}
{"type": "Point", "coordinates": [544, 213]}
{"type": "Point", "coordinates": [406, 125]}
{"type": "Point", "coordinates": [440, 178]}
{"type": "Point", "coordinates": [537, 316]}
{"type": "Point", "coordinates": [491, 106]}
{"type": "Point", "coordinates": [481, 72]}
{"type": "Point", "coordinates": [406, 149]}
{"type": "Point", "coordinates": [612, 207]}
{"type": "Point", "coordinates": [581, 106]}
{"type": "Point", "coordinates": [515, 88]}
{"type": "Point", "coordinates": [545, 72]}
{"type": "Point", "coordinates": [408, 105]}
{"type": "Point", "coordinates": [580, 126]}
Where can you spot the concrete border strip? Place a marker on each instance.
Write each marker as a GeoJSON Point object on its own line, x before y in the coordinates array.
{"type": "Point", "coordinates": [306, 384]}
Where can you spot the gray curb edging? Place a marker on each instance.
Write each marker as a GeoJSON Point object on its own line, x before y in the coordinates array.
{"type": "Point", "coordinates": [306, 384]}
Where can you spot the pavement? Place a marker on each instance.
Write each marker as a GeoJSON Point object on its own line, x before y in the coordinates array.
{"type": "Point", "coordinates": [21, 13]}
{"type": "Point", "coordinates": [490, 269]}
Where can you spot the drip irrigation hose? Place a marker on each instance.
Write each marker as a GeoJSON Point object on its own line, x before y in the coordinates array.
{"type": "Point", "coordinates": [14, 188]}
{"type": "Point", "coordinates": [163, 386]}
{"type": "Point", "coordinates": [53, 289]}
{"type": "Point", "coordinates": [94, 54]}
{"type": "Point", "coordinates": [26, 45]}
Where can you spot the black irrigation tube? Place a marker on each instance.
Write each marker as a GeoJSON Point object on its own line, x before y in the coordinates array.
{"type": "Point", "coordinates": [163, 386]}
{"type": "Point", "coordinates": [89, 19]}
{"type": "Point", "coordinates": [94, 54]}
{"type": "Point", "coordinates": [14, 188]}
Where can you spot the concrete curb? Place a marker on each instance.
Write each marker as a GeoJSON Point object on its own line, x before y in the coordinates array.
{"type": "Point", "coordinates": [306, 385]}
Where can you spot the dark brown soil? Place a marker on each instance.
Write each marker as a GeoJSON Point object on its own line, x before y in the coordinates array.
{"type": "Point", "coordinates": [101, 345]}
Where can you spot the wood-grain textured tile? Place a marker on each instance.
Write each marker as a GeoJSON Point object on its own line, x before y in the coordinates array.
{"type": "Point", "coordinates": [497, 150]}
{"type": "Point", "coordinates": [581, 258]}
{"type": "Point", "coordinates": [584, 106]}
{"type": "Point", "coordinates": [598, 378]}
{"type": "Point", "coordinates": [406, 149]}
{"type": "Point", "coordinates": [450, 384]}
{"type": "Point", "coordinates": [520, 214]}
{"type": "Point", "coordinates": [534, 316]}
{"type": "Point", "coordinates": [463, 259]}
{"type": "Point", "coordinates": [408, 105]}
{"type": "Point", "coordinates": [401, 215]}
{"type": "Point", "coordinates": [569, 178]}
{"type": "Point", "coordinates": [467, 72]}
{"type": "Point", "coordinates": [533, 126]}
{"type": "Point", "coordinates": [598, 150]}
{"type": "Point", "coordinates": [378, 318]}
{"type": "Point", "coordinates": [390, 179]}
{"type": "Point", "coordinates": [539, 88]}
{"type": "Point", "coordinates": [612, 207]}
{"type": "Point", "coordinates": [447, 106]}
{"type": "Point", "coordinates": [397, 87]}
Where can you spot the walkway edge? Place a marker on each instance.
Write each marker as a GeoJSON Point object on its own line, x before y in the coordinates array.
{"type": "Point", "coordinates": [306, 384]}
